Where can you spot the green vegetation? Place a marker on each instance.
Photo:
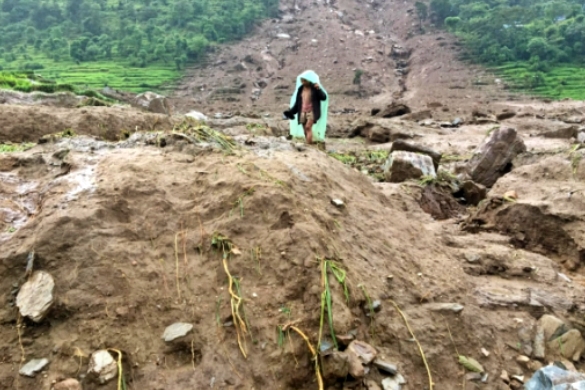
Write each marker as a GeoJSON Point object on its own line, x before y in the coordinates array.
{"type": "Point", "coordinates": [9, 147]}
{"type": "Point", "coordinates": [130, 44]}
{"type": "Point", "coordinates": [536, 45]}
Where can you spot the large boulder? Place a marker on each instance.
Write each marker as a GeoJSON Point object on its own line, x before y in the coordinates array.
{"type": "Point", "coordinates": [493, 158]}
{"type": "Point", "coordinates": [402, 166]}
{"type": "Point", "coordinates": [152, 102]}
{"type": "Point", "coordinates": [411, 147]}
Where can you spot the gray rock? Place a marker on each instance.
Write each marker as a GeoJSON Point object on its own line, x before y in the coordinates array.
{"type": "Point", "coordinates": [176, 331]}
{"type": "Point", "coordinates": [152, 102]}
{"type": "Point", "coordinates": [394, 383]}
{"type": "Point", "coordinates": [452, 307]}
{"type": "Point", "coordinates": [102, 366]}
{"type": "Point", "coordinates": [552, 326]}
{"type": "Point", "coordinates": [33, 367]}
{"type": "Point", "coordinates": [473, 376]}
{"type": "Point", "coordinates": [581, 137]}
{"type": "Point", "coordinates": [410, 147]}
{"type": "Point", "coordinates": [457, 122]}
{"type": "Point", "coordinates": [197, 116]}
{"type": "Point", "coordinates": [389, 368]}
{"type": "Point", "coordinates": [493, 157]}
{"type": "Point", "coordinates": [35, 298]}
{"type": "Point", "coordinates": [402, 166]}
{"type": "Point", "coordinates": [553, 378]}
{"type": "Point", "coordinates": [393, 110]}
{"type": "Point", "coordinates": [539, 349]}
{"type": "Point", "coordinates": [564, 132]}
{"type": "Point", "coordinates": [472, 258]}
{"type": "Point", "coordinates": [359, 353]}
{"type": "Point", "coordinates": [505, 115]}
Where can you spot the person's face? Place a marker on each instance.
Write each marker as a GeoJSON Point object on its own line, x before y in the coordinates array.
{"type": "Point", "coordinates": [305, 83]}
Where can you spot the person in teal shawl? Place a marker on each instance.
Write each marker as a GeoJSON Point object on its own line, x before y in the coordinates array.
{"type": "Point", "coordinates": [309, 105]}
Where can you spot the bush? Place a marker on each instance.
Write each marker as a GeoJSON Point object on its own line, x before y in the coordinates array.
{"type": "Point", "coordinates": [33, 66]}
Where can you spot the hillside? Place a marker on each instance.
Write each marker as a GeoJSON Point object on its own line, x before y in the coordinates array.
{"type": "Point", "coordinates": [132, 45]}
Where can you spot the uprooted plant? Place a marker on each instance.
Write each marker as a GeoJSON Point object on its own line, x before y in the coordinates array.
{"type": "Point", "coordinates": [326, 298]}
{"type": "Point", "coordinates": [226, 248]}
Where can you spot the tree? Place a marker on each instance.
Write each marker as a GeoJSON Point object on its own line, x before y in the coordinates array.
{"type": "Point", "coordinates": [421, 12]}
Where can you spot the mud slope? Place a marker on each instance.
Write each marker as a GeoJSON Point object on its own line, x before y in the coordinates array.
{"type": "Point", "coordinates": [336, 38]}
{"type": "Point", "coordinates": [127, 232]}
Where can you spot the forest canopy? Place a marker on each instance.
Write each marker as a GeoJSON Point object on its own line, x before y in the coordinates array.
{"type": "Point", "coordinates": [138, 32]}
{"type": "Point", "coordinates": [543, 32]}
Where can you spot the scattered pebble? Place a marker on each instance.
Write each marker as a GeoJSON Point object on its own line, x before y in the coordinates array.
{"type": "Point", "coordinates": [564, 277]}
{"type": "Point", "coordinates": [35, 298]}
{"type": "Point", "coordinates": [485, 352]}
{"type": "Point", "coordinates": [389, 368]}
{"type": "Point", "coordinates": [505, 377]}
{"type": "Point", "coordinates": [176, 331]}
{"type": "Point", "coordinates": [337, 203]}
{"type": "Point", "coordinates": [68, 384]}
{"type": "Point", "coordinates": [103, 366]}
{"type": "Point", "coordinates": [33, 367]}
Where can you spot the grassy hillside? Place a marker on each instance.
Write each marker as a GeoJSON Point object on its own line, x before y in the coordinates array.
{"type": "Point", "coordinates": [537, 45]}
{"type": "Point", "coordinates": [128, 44]}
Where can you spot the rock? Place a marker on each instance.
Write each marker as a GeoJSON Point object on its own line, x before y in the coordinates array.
{"type": "Point", "coordinates": [493, 158]}
{"type": "Point", "coordinates": [402, 166]}
{"type": "Point", "coordinates": [33, 367]}
{"type": "Point", "coordinates": [552, 327]}
{"type": "Point", "coordinates": [410, 147]}
{"type": "Point", "coordinates": [473, 376]}
{"type": "Point", "coordinates": [197, 116]}
{"type": "Point", "coordinates": [102, 366]}
{"type": "Point", "coordinates": [570, 345]}
{"type": "Point", "coordinates": [335, 365]}
{"type": "Point", "coordinates": [505, 115]}
{"type": "Point", "coordinates": [68, 384]}
{"type": "Point", "coordinates": [539, 351]}
{"type": "Point", "coordinates": [177, 331]}
{"type": "Point", "coordinates": [581, 137]}
{"type": "Point", "coordinates": [345, 339]}
{"type": "Point", "coordinates": [457, 122]}
{"type": "Point", "coordinates": [35, 298]}
{"type": "Point", "coordinates": [371, 385]}
{"type": "Point", "coordinates": [511, 195]}
{"type": "Point", "coordinates": [505, 377]}
{"type": "Point", "coordinates": [337, 203]}
{"type": "Point", "coordinates": [485, 352]}
{"type": "Point", "coordinates": [565, 133]}
{"type": "Point", "coordinates": [364, 351]}
{"type": "Point", "coordinates": [394, 383]}
{"type": "Point", "coordinates": [524, 360]}
{"type": "Point", "coordinates": [240, 67]}
{"type": "Point", "coordinates": [359, 353]}
{"type": "Point", "coordinates": [553, 377]}
{"type": "Point", "coordinates": [452, 307]}
{"type": "Point", "coordinates": [477, 113]}
{"type": "Point", "coordinates": [394, 110]}
{"type": "Point", "coordinates": [419, 116]}
{"type": "Point", "coordinates": [472, 192]}
{"type": "Point", "coordinates": [472, 258]}
{"type": "Point", "coordinates": [152, 102]}
{"type": "Point", "coordinates": [283, 36]}
{"type": "Point", "coordinates": [384, 366]}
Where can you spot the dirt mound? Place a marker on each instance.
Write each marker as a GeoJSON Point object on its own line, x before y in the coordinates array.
{"type": "Point", "coordinates": [135, 237]}
{"type": "Point", "coordinates": [30, 123]}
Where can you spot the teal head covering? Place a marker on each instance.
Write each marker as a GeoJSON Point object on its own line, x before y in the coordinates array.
{"type": "Point", "coordinates": [296, 130]}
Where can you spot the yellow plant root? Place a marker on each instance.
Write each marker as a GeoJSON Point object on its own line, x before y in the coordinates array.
{"type": "Point", "coordinates": [313, 352]}
{"type": "Point", "coordinates": [120, 371]}
{"type": "Point", "coordinates": [236, 301]}
{"type": "Point", "coordinates": [422, 353]}
{"type": "Point", "coordinates": [177, 267]}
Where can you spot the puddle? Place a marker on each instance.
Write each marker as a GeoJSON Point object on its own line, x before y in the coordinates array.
{"type": "Point", "coordinates": [19, 199]}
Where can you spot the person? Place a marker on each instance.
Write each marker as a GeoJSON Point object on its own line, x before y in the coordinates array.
{"type": "Point", "coordinates": [309, 105]}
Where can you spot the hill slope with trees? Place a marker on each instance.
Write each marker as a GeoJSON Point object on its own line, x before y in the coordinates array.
{"type": "Point", "coordinates": [152, 35]}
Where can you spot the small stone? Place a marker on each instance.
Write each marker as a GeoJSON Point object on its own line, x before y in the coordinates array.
{"type": "Point", "coordinates": [473, 376]}
{"type": "Point", "coordinates": [485, 352]}
{"type": "Point", "coordinates": [552, 327]}
{"type": "Point", "coordinates": [524, 360]}
{"type": "Point", "coordinates": [177, 331]}
{"type": "Point", "coordinates": [371, 385]}
{"type": "Point", "coordinates": [484, 378]}
{"type": "Point", "coordinates": [535, 366]}
{"type": "Point", "coordinates": [300, 147]}
{"type": "Point", "coordinates": [452, 307]}
{"type": "Point", "coordinates": [382, 365]}
{"type": "Point", "coordinates": [394, 383]}
{"type": "Point", "coordinates": [505, 377]}
{"type": "Point", "coordinates": [337, 203]}
{"type": "Point", "coordinates": [35, 298]}
{"type": "Point", "coordinates": [519, 378]}
{"type": "Point", "coordinates": [472, 258]}
{"type": "Point", "coordinates": [102, 366]}
{"type": "Point", "coordinates": [539, 345]}
{"type": "Point", "coordinates": [570, 345]}
{"type": "Point", "coordinates": [68, 384]}
{"type": "Point", "coordinates": [511, 195]}
{"type": "Point", "coordinates": [364, 351]}
{"type": "Point", "coordinates": [33, 367]}
{"type": "Point", "coordinates": [564, 277]}
{"type": "Point", "coordinates": [134, 263]}
{"type": "Point", "coordinates": [345, 339]}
